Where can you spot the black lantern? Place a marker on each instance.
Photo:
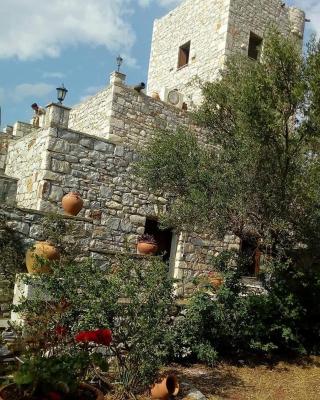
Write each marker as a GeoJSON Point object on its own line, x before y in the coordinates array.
{"type": "Point", "coordinates": [61, 93]}
{"type": "Point", "coordinates": [119, 62]}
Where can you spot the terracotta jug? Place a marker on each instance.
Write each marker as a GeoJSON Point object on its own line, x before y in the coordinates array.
{"type": "Point", "coordinates": [168, 386]}
{"type": "Point", "coordinates": [72, 203]}
{"type": "Point", "coordinates": [146, 248]}
{"type": "Point", "coordinates": [41, 249]}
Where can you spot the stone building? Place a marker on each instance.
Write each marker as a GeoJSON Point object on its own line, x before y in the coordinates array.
{"type": "Point", "coordinates": [195, 39]}
{"type": "Point", "coordinates": [91, 147]}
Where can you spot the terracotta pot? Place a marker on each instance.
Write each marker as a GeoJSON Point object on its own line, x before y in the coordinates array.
{"type": "Point", "coordinates": [99, 395]}
{"type": "Point", "coordinates": [147, 248]}
{"type": "Point", "coordinates": [72, 203]}
{"type": "Point", "coordinates": [168, 386]}
{"type": "Point", "coordinates": [155, 95]}
{"type": "Point", "coordinates": [41, 249]}
{"type": "Point", "coordinates": [216, 281]}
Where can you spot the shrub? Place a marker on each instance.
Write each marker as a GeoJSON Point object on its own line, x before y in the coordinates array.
{"type": "Point", "coordinates": [74, 307]}
{"type": "Point", "coordinates": [285, 319]}
{"type": "Point", "coordinates": [11, 250]}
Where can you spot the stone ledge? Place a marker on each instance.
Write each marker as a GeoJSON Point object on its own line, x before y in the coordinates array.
{"type": "Point", "coordinates": [118, 253]}
{"type": "Point", "coordinates": [4, 176]}
{"type": "Point", "coordinates": [43, 213]}
{"type": "Point", "coordinates": [94, 137]}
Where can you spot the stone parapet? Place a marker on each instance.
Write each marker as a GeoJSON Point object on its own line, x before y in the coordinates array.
{"type": "Point", "coordinates": [57, 115]}
{"type": "Point", "coordinates": [123, 115]}
{"type": "Point", "coordinates": [21, 129]}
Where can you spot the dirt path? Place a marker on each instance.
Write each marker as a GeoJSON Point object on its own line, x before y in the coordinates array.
{"type": "Point", "coordinates": [297, 380]}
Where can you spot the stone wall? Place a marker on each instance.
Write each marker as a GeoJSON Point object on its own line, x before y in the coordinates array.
{"type": "Point", "coordinates": [125, 116]}
{"type": "Point", "coordinates": [93, 115]}
{"type": "Point", "coordinates": [25, 161]}
{"type": "Point", "coordinates": [21, 129]}
{"type": "Point", "coordinates": [101, 172]}
{"type": "Point", "coordinates": [259, 16]}
{"type": "Point", "coordinates": [204, 23]}
{"type": "Point", "coordinates": [216, 29]}
{"type": "Point", "coordinates": [8, 189]}
{"type": "Point", "coordinates": [4, 143]}
{"type": "Point", "coordinates": [27, 226]}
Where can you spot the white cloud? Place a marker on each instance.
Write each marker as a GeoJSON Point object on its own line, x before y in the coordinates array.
{"type": "Point", "coordinates": [162, 3]}
{"type": "Point", "coordinates": [58, 75]}
{"type": "Point", "coordinates": [312, 9]}
{"type": "Point", "coordinates": [34, 29]}
{"type": "Point", "coordinates": [90, 91]}
{"type": "Point", "coordinates": [30, 90]}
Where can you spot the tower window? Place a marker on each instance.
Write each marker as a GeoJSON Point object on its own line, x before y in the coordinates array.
{"type": "Point", "coordinates": [184, 53]}
{"type": "Point", "coordinates": [255, 45]}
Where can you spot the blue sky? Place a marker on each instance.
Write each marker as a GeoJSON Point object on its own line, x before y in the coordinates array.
{"type": "Point", "coordinates": [44, 43]}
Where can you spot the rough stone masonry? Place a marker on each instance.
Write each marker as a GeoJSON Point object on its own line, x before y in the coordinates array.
{"type": "Point", "coordinates": [91, 148]}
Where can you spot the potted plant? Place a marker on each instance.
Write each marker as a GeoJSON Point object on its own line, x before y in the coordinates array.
{"type": "Point", "coordinates": [57, 354]}
{"type": "Point", "coordinates": [55, 364]}
{"type": "Point", "coordinates": [147, 244]}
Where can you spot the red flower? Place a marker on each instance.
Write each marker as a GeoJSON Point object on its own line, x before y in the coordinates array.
{"type": "Point", "coordinates": [60, 330]}
{"type": "Point", "coordinates": [54, 396]}
{"type": "Point", "coordinates": [103, 336]}
{"type": "Point", "coordinates": [100, 336]}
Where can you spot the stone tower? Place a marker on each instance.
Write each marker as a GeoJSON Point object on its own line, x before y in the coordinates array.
{"type": "Point", "coordinates": [194, 39]}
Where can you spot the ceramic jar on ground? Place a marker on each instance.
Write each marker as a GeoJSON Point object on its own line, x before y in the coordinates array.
{"type": "Point", "coordinates": [165, 388]}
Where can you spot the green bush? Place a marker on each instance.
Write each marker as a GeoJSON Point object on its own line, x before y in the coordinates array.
{"type": "Point", "coordinates": [284, 319]}
{"type": "Point", "coordinates": [131, 297]}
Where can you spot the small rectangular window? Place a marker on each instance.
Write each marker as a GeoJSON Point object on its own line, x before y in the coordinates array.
{"type": "Point", "coordinates": [184, 53]}
{"type": "Point", "coordinates": [255, 45]}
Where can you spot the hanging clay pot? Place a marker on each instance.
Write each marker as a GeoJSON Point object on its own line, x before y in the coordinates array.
{"type": "Point", "coordinates": [146, 248]}
{"type": "Point", "coordinates": [155, 95]}
{"type": "Point", "coordinates": [72, 203]}
{"type": "Point", "coordinates": [167, 387]}
{"type": "Point", "coordinates": [42, 249]}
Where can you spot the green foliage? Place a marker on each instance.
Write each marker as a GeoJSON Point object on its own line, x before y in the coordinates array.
{"type": "Point", "coordinates": [63, 234]}
{"type": "Point", "coordinates": [283, 320]}
{"type": "Point", "coordinates": [52, 373]}
{"type": "Point", "coordinates": [259, 172]}
{"type": "Point", "coordinates": [143, 294]}
{"type": "Point", "coordinates": [11, 250]}
{"type": "Point", "coordinates": [132, 297]}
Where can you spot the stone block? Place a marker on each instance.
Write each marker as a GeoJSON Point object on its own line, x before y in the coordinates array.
{"type": "Point", "coordinates": [137, 220]}
{"type": "Point", "coordinates": [106, 192]}
{"type": "Point", "coordinates": [88, 143]}
{"type": "Point", "coordinates": [114, 205]}
{"type": "Point", "coordinates": [59, 146]}
{"type": "Point", "coordinates": [60, 166]}
{"type": "Point", "coordinates": [112, 223]}
{"type": "Point", "coordinates": [56, 193]}
{"type": "Point", "coordinates": [71, 137]}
